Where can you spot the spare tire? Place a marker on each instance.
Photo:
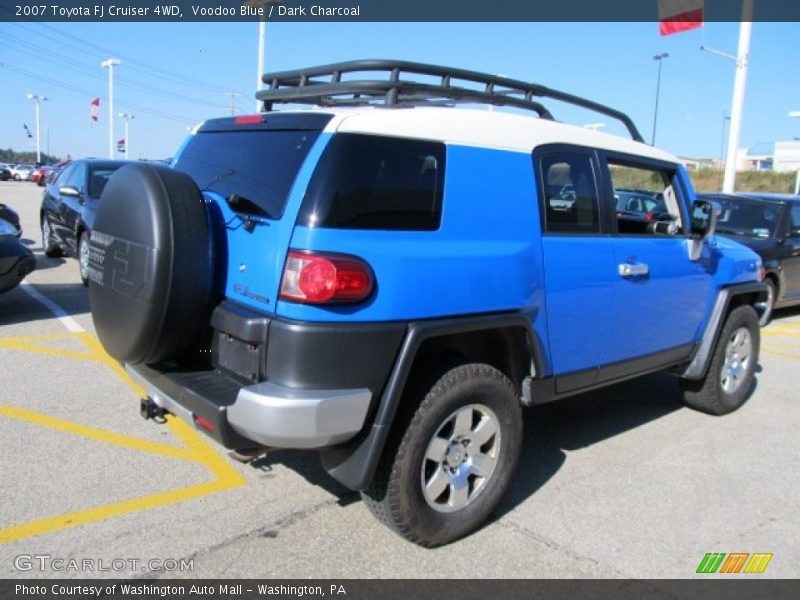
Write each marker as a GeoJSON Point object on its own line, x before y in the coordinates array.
{"type": "Point", "coordinates": [151, 264]}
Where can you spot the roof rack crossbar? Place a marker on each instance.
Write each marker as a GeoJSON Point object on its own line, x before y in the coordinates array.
{"type": "Point", "coordinates": [323, 85]}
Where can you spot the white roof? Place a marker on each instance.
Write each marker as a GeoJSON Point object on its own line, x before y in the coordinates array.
{"type": "Point", "coordinates": [482, 128]}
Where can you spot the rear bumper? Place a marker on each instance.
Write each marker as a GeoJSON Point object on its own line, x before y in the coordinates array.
{"type": "Point", "coordinates": [262, 414]}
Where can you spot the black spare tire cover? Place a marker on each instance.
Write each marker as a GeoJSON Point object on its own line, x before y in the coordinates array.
{"type": "Point", "coordinates": [151, 264]}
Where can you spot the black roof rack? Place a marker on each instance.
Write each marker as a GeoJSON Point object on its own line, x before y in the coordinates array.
{"type": "Point", "coordinates": [324, 86]}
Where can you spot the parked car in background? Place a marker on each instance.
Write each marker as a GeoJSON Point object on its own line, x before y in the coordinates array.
{"type": "Point", "coordinates": [22, 172]}
{"type": "Point", "coordinates": [770, 225]}
{"type": "Point", "coordinates": [69, 205]}
{"type": "Point", "coordinates": [10, 215]}
{"type": "Point", "coordinates": [39, 175]}
{"type": "Point", "coordinates": [16, 261]}
{"type": "Point", "coordinates": [5, 172]}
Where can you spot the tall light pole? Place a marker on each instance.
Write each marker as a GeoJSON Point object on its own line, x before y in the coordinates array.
{"type": "Point", "coordinates": [266, 6]}
{"type": "Point", "coordinates": [795, 114]}
{"type": "Point", "coordinates": [737, 104]}
{"type": "Point", "coordinates": [127, 117]}
{"type": "Point", "coordinates": [109, 64]}
{"type": "Point", "coordinates": [38, 99]}
{"type": "Point", "coordinates": [660, 58]}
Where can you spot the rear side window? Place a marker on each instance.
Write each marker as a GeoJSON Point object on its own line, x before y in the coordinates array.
{"type": "Point", "coordinates": [373, 182]}
{"type": "Point", "coordinates": [570, 193]}
{"type": "Point", "coordinates": [254, 170]}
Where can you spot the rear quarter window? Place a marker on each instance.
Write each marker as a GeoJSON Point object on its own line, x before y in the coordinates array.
{"type": "Point", "coordinates": [376, 182]}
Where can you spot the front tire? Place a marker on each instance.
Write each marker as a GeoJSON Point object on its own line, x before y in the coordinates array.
{"type": "Point", "coordinates": [768, 304]}
{"type": "Point", "coordinates": [443, 475]}
{"type": "Point", "coordinates": [729, 379]}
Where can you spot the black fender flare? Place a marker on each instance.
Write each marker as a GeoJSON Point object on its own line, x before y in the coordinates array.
{"type": "Point", "coordinates": [698, 366]}
{"type": "Point", "coordinates": [353, 464]}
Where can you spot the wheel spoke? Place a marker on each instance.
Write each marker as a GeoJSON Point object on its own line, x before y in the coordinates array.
{"type": "Point", "coordinates": [436, 449]}
{"type": "Point", "coordinates": [437, 484]}
{"type": "Point", "coordinates": [463, 424]}
{"type": "Point", "coordinates": [482, 464]}
{"type": "Point", "coordinates": [459, 491]}
{"type": "Point", "coordinates": [484, 431]}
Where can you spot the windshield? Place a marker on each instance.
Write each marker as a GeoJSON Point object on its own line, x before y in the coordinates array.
{"type": "Point", "coordinates": [748, 217]}
{"type": "Point", "coordinates": [254, 170]}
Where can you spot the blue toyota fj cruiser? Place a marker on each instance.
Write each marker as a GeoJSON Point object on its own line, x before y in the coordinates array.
{"type": "Point", "coordinates": [389, 279]}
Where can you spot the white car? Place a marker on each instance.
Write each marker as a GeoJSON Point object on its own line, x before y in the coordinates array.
{"type": "Point", "coordinates": [22, 172]}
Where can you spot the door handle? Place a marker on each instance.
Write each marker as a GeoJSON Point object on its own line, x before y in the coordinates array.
{"type": "Point", "coordinates": [633, 270]}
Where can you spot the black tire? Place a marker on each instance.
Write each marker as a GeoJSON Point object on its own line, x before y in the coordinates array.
{"type": "Point", "coordinates": [396, 495]}
{"type": "Point", "coordinates": [49, 247]}
{"type": "Point", "coordinates": [720, 392]}
{"type": "Point", "coordinates": [151, 269]}
{"type": "Point", "coordinates": [768, 305]}
{"type": "Point", "coordinates": [83, 257]}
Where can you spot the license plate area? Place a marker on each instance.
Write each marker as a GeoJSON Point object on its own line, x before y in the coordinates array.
{"type": "Point", "coordinates": [243, 359]}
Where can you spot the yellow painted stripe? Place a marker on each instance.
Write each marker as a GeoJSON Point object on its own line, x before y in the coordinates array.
{"type": "Point", "coordinates": [18, 345]}
{"type": "Point", "coordinates": [98, 435]}
{"type": "Point", "coordinates": [783, 354]}
{"type": "Point", "coordinates": [73, 519]}
{"type": "Point", "coordinates": [196, 450]}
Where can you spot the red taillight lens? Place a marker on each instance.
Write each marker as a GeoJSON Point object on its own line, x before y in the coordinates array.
{"type": "Point", "coordinates": [762, 273]}
{"type": "Point", "coordinates": [320, 278]}
{"type": "Point", "coordinates": [247, 120]}
{"type": "Point", "coordinates": [649, 216]}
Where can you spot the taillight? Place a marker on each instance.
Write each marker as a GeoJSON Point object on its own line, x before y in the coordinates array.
{"type": "Point", "coordinates": [649, 216]}
{"type": "Point", "coordinates": [762, 274]}
{"type": "Point", "coordinates": [320, 278]}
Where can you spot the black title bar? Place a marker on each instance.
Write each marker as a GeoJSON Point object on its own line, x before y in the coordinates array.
{"type": "Point", "coordinates": [376, 10]}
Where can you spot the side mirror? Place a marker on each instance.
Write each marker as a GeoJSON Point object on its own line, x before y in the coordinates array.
{"type": "Point", "coordinates": [704, 219]}
{"type": "Point", "coordinates": [69, 190]}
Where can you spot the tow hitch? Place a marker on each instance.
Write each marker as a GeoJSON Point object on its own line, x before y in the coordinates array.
{"type": "Point", "coordinates": [150, 410]}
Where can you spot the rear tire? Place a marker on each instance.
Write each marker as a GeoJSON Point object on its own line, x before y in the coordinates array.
{"type": "Point", "coordinates": [729, 378]}
{"type": "Point", "coordinates": [83, 257]}
{"type": "Point", "coordinates": [443, 475]}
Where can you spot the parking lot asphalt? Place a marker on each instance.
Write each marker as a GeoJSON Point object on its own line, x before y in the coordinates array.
{"type": "Point", "coordinates": [623, 482]}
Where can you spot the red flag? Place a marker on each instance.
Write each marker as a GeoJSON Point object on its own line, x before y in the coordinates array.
{"type": "Point", "coordinates": [679, 15]}
{"type": "Point", "coordinates": [95, 109]}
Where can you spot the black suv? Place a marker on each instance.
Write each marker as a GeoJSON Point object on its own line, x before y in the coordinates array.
{"type": "Point", "coordinates": [770, 225]}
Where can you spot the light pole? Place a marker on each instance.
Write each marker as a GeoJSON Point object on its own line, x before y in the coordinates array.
{"type": "Point", "coordinates": [262, 38]}
{"type": "Point", "coordinates": [109, 64]}
{"type": "Point", "coordinates": [127, 117]}
{"type": "Point", "coordinates": [38, 99]}
{"type": "Point", "coordinates": [660, 58]}
{"type": "Point", "coordinates": [795, 114]}
{"type": "Point", "coordinates": [725, 119]}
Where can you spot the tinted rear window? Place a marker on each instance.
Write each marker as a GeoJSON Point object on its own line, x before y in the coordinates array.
{"type": "Point", "coordinates": [258, 167]}
{"type": "Point", "coordinates": [98, 178]}
{"type": "Point", "coordinates": [373, 182]}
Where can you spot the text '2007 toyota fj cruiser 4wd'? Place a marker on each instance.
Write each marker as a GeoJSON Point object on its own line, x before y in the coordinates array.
{"type": "Point", "coordinates": [390, 284]}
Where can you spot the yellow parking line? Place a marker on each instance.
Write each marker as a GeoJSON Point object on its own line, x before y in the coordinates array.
{"type": "Point", "coordinates": [196, 449]}
{"type": "Point", "coordinates": [99, 435]}
{"type": "Point", "coordinates": [783, 354]}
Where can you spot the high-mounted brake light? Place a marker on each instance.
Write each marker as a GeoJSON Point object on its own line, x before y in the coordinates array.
{"type": "Point", "coordinates": [317, 278]}
{"type": "Point", "coordinates": [247, 120]}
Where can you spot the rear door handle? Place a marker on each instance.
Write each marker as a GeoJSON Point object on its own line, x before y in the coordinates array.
{"type": "Point", "coordinates": [633, 270]}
